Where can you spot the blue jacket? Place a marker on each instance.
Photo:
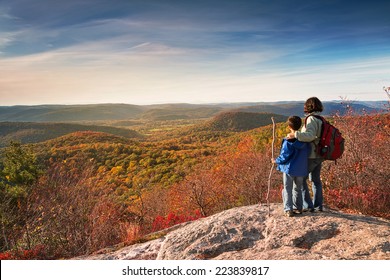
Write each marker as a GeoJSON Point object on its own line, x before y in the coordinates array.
{"type": "Point", "coordinates": [293, 158]}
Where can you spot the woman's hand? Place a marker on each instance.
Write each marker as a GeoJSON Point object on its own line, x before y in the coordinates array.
{"type": "Point", "coordinates": [291, 135]}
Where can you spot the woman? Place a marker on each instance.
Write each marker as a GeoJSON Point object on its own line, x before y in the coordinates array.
{"type": "Point", "coordinates": [311, 132]}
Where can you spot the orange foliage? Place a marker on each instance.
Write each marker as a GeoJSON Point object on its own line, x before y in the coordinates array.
{"type": "Point", "coordinates": [36, 253]}
{"type": "Point", "coordinates": [359, 180]}
{"type": "Point", "coordinates": [172, 219]}
{"type": "Point", "coordinates": [238, 177]}
{"type": "Point", "coordinates": [96, 194]}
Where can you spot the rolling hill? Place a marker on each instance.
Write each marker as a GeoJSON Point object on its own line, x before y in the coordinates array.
{"type": "Point", "coordinates": [110, 112]}
{"type": "Point", "coordinates": [241, 121]}
{"type": "Point", "coordinates": [181, 113]}
{"type": "Point", "coordinates": [29, 132]}
{"type": "Point", "coordinates": [67, 113]}
{"type": "Point", "coordinates": [296, 108]}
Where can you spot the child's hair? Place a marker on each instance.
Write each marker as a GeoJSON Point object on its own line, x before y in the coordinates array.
{"type": "Point", "coordinates": [294, 122]}
{"type": "Point", "coordinates": [313, 104]}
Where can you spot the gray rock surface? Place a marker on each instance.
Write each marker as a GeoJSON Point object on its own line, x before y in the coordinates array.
{"type": "Point", "coordinates": [248, 232]}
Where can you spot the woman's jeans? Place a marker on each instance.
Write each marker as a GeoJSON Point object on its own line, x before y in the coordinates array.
{"type": "Point", "coordinates": [292, 192]}
{"type": "Point", "coordinates": [315, 165]}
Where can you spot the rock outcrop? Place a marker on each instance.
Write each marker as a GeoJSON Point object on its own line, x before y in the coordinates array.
{"type": "Point", "coordinates": [251, 232]}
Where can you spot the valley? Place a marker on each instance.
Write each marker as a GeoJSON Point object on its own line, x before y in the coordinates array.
{"type": "Point", "coordinates": [83, 185]}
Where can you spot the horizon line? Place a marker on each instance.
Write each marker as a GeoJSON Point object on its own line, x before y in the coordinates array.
{"type": "Point", "coordinates": [188, 103]}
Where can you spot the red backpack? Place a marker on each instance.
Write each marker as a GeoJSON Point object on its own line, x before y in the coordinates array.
{"type": "Point", "coordinates": [331, 145]}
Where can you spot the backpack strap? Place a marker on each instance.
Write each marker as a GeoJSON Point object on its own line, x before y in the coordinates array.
{"type": "Point", "coordinates": [323, 121]}
{"type": "Point", "coordinates": [316, 116]}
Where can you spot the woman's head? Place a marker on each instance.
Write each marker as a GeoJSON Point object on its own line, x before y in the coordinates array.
{"type": "Point", "coordinates": [313, 104]}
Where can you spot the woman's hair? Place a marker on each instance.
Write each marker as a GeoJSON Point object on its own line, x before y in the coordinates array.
{"type": "Point", "coordinates": [313, 104]}
{"type": "Point", "coordinates": [294, 122]}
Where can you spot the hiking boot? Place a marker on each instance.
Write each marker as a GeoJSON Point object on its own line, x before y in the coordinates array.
{"type": "Point", "coordinates": [296, 211]}
{"type": "Point", "coordinates": [311, 210]}
{"type": "Point", "coordinates": [289, 213]}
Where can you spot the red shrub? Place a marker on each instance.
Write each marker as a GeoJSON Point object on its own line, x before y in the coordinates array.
{"type": "Point", "coordinates": [172, 219]}
{"type": "Point", "coordinates": [37, 253]}
{"type": "Point", "coordinates": [359, 180]}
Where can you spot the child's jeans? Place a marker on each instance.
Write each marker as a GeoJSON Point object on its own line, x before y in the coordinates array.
{"type": "Point", "coordinates": [292, 192]}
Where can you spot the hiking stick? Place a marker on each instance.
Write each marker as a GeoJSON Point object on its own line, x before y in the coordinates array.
{"type": "Point", "coordinates": [273, 164]}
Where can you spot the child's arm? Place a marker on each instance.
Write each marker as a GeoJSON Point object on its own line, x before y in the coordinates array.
{"type": "Point", "coordinates": [286, 153]}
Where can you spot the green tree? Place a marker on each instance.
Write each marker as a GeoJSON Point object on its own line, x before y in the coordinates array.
{"type": "Point", "coordinates": [19, 172]}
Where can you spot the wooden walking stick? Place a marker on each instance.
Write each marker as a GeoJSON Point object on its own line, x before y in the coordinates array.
{"type": "Point", "coordinates": [273, 164]}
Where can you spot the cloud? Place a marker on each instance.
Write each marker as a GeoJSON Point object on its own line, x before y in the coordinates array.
{"type": "Point", "coordinates": [5, 39]}
{"type": "Point", "coordinates": [156, 73]}
{"type": "Point", "coordinates": [174, 23]}
{"type": "Point", "coordinates": [138, 51]}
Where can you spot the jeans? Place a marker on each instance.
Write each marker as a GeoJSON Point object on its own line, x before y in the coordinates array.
{"type": "Point", "coordinates": [292, 192]}
{"type": "Point", "coordinates": [315, 165]}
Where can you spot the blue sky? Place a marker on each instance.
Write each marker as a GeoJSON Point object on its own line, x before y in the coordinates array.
{"type": "Point", "coordinates": [156, 51]}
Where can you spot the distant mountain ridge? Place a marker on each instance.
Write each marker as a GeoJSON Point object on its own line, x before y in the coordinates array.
{"type": "Point", "coordinates": [104, 112]}
{"type": "Point", "coordinates": [30, 132]}
{"type": "Point", "coordinates": [66, 113]}
{"type": "Point", "coordinates": [241, 121]}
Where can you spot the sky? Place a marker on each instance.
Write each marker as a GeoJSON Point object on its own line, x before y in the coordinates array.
{"type": "Point", "coordinates": [186, 51]}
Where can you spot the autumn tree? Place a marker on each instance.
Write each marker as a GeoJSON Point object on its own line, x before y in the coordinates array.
{"type": "Point", "coordinates": [359, 180]}
{"type": "Point", "coordinates": [235, 178]}
{"type": "Point", "coordinates": [75, 214]}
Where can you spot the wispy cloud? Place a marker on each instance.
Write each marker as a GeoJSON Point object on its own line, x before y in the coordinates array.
{"type": "Point", "coordinates": [147, 73]}
{"type": "Point", "coordinates": [150, 51]}
{"type": "Point", "coordinates": [5, 39]}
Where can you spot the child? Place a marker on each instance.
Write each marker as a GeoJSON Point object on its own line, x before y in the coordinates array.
{"type": "Point", "coordinates": [293, 162]}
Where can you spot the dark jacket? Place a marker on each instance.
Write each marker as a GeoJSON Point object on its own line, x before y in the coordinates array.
{"type": "Point", "coordinates": [293, 158]}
